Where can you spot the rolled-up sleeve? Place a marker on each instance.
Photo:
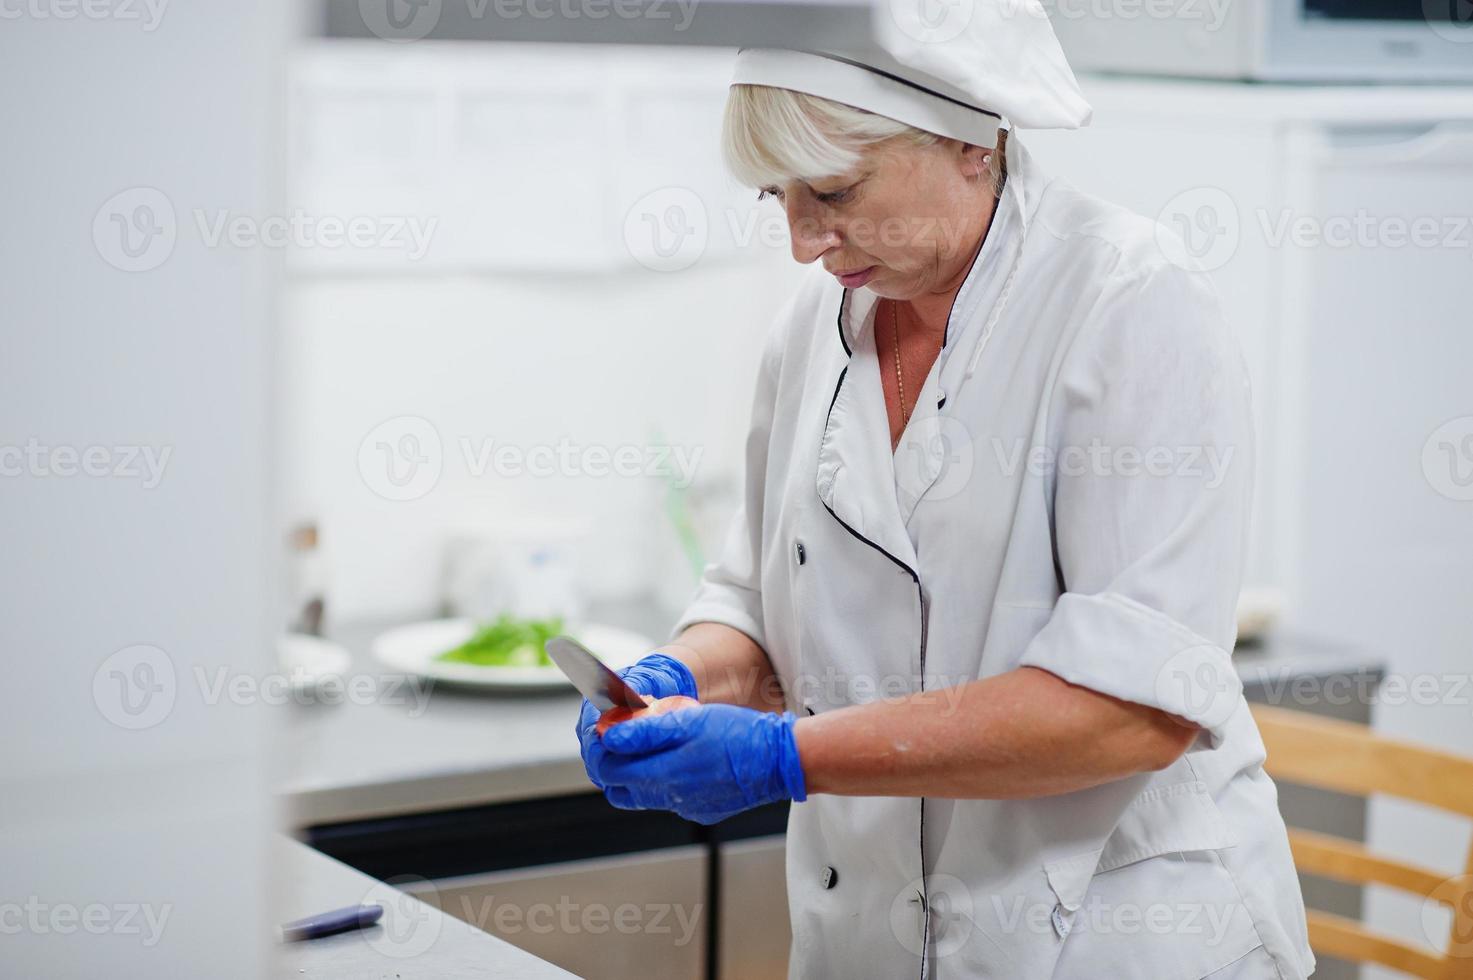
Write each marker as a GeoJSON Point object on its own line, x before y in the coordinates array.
{"type": "Point", "coordinates": [1152, 436]}
{"type": "Point", "coordinates": [730, 590]}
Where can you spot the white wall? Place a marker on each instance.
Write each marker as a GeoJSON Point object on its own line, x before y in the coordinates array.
{"type": "Point", "coordinates": [537, 315]}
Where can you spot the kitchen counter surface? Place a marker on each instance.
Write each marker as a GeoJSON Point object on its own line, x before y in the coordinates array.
{"type": "Point", "coordinates": [408, 750]}
{"type": "Point", "coordinates": [412, 940]}
{"type": "Point", "coordinates": [412, 748]}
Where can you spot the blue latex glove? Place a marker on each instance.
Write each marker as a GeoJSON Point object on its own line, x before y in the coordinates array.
{"type": "Point", "coordinates": [706, 763]}
{"type": "Point", "coordinates": [658, 675]}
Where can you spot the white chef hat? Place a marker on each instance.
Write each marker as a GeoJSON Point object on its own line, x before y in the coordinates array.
{"type": "Point", "coordinates": [983, 62]}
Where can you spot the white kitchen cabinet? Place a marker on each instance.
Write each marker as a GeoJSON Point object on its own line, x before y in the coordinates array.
{"type": "Point", "coordinates": [543, 158]}
{"type": "Point", "coordinates": [1239, 169]}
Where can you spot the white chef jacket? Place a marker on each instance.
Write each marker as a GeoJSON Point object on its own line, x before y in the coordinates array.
{"type": "Point", "coordinates": [1072, 493]}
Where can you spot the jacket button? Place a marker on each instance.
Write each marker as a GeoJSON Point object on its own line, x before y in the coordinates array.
{"type": "Point", "coordinates": [802, 553]}
{"type": "Point", "coordinates": [830, 878]}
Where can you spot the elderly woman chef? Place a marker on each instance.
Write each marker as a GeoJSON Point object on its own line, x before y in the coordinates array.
{"type": "Point", "coordinates": [974, 616]}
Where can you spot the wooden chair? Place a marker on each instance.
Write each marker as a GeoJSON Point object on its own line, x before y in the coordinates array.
{"type": "Point", "coordinates": [1350, 758]}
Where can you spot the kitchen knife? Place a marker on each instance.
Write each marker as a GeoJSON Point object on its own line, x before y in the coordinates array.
{"type": "Point", "coordinates": [603, 688]}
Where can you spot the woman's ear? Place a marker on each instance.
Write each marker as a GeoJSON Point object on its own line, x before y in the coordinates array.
{"type": "Point", "coordinates": [975, 160]}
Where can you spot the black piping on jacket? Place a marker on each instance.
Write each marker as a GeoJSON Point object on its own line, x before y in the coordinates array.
{"type": "Point", "coordinates": [921, 598]}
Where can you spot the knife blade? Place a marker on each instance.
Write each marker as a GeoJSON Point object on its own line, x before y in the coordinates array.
{"type": "Point", "coordinates": [603, 688]}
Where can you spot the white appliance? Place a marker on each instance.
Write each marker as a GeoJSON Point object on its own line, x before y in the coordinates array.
{"type": "Point", "coordinates": [1270, 40]}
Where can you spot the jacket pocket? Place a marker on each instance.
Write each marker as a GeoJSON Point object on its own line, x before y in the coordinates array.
{"type": "Point", "coordinates": [1164, 819]}
{"type": "Point", "coordinates": [1159, 902]}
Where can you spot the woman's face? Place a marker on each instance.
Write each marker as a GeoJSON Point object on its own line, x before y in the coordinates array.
{"type": "Point", "coordinates": [906, 222]}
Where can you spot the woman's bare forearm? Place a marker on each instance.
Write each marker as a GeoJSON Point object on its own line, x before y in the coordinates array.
{"type": "Point", "coordinates": [729, 667]}
{"type": "Point", "coordinates": [1022, 734]}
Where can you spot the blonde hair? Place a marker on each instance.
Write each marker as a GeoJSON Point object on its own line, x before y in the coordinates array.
{"type": "Point", "coordinates": [773, 135]}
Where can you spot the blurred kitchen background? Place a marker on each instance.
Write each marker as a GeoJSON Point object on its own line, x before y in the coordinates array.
{"type": "Point", "coordinates": [444, 314]}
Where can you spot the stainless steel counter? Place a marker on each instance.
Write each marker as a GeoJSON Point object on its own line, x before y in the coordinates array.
{"type": "Point", "coordinates": [416, 751]}
{"type": "Point", "coordinates": [412, 940]}
{"type": "Point", "coordinates": [412, 750]}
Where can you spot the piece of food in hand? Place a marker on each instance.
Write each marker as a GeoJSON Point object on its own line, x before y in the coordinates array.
{"type": "Point", "coordinates": [658, 706]}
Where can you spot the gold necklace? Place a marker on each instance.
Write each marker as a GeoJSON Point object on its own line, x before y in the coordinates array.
{"type": "Point", "coordinates": [899, 377]}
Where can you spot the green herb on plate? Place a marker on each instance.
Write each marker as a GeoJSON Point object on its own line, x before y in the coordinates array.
{"type": "Point", "coordinates": [508, 642]}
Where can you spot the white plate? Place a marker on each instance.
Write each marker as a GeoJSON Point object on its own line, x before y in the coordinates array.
{"type": "Point", "coordinates": [415, 649]}
{"type": "Point", "coordinates": [308, 661]}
